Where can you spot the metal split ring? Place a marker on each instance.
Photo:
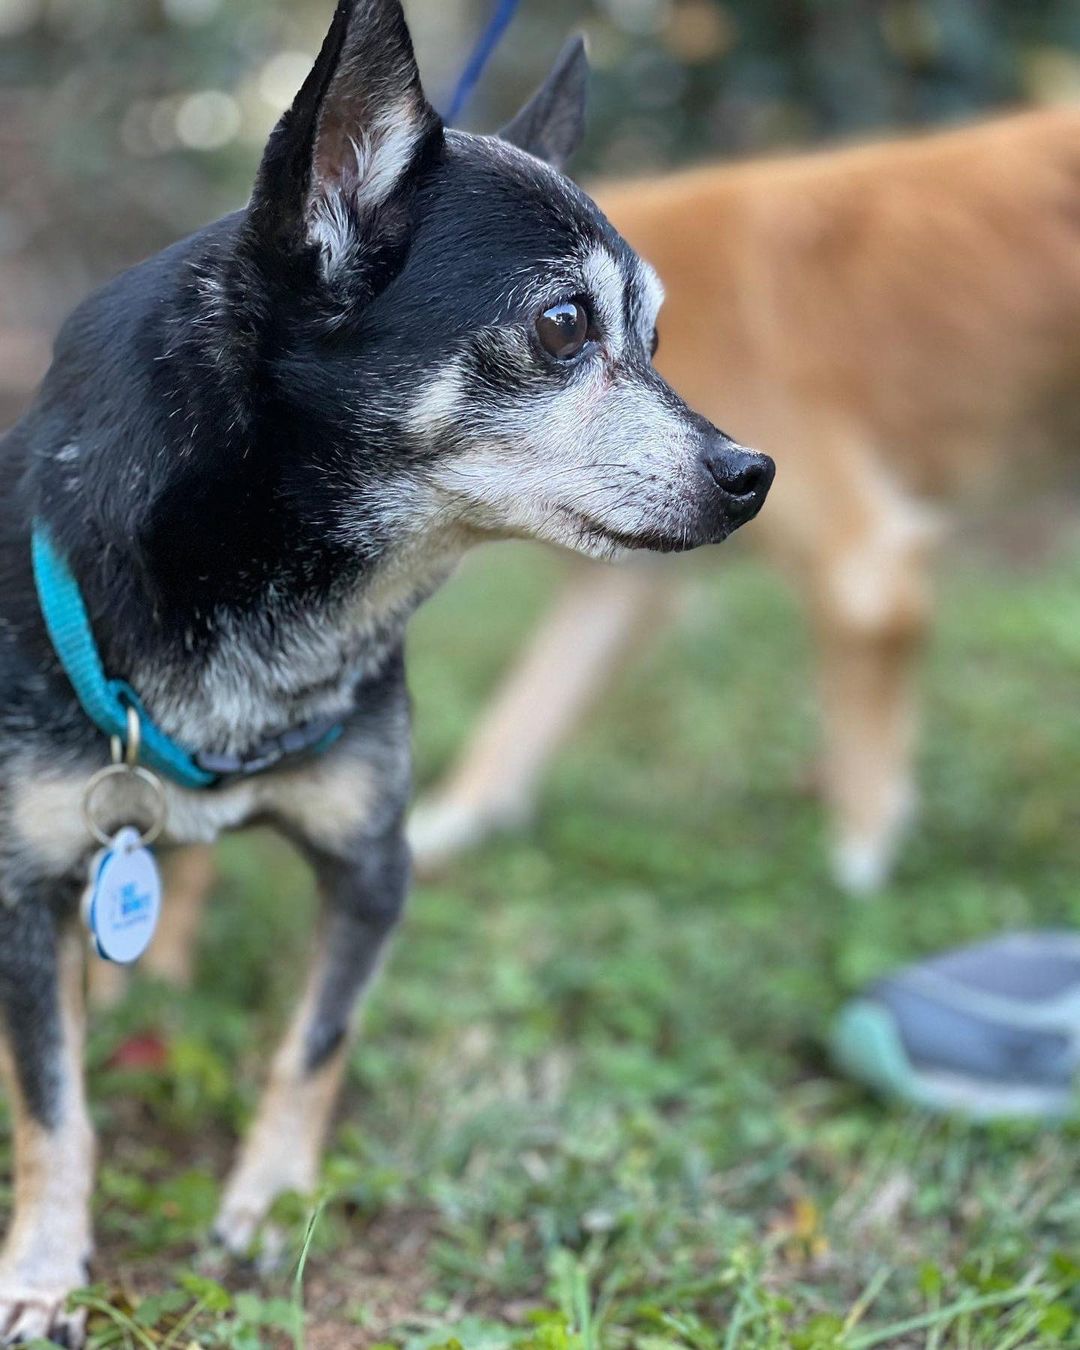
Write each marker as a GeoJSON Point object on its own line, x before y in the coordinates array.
{"type": "Point", "coordinates": [142, 776]}
{"type": "Point", "coordinates": [126, 765]}
{"type": "Point", "coordinates": [128, 754]}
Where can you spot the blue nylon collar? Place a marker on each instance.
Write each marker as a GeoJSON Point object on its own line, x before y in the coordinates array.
{"type": "Point", "coordinates": [106, 702]}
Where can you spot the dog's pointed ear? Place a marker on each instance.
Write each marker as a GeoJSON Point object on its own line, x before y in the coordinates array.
{"type": "Point", "coordinates": [352, 140]}
{"type": "Point", "coordinates": [551, 126]}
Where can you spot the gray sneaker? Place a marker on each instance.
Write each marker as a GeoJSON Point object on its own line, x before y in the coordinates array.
{"type": "Point", "coordinates": [991, 1030]}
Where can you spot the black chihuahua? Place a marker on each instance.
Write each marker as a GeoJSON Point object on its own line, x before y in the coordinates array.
{"type": "Point", "coordinates": [254, 456]}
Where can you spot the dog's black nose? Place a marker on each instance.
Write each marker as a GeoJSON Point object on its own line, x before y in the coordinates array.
{"type": "Point", "coordinates": [742, 476]}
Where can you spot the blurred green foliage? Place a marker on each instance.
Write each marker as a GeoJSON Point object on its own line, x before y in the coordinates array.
{"type": "Point", "coordinates": [127, 121]}
{"type": "Point", "coordinates": [701, 76]}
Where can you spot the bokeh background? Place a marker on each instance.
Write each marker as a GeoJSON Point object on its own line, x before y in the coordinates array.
{"type": "Point", "coordinates": [126, 122]}
{"type": "Point", "coordinates": [591, 1106]}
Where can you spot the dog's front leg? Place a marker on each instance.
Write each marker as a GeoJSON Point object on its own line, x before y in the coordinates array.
{"type": "Point", "coordinates": [363, 894]}
{"type": "Point", "coordinates": [43, 1027]}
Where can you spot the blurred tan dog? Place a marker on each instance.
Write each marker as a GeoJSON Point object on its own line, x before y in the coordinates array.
{"type": "Point", "coordinates": [900, 322]}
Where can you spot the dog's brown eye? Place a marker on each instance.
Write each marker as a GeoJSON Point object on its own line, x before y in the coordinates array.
{"type": "Point", "coordinates": [563, 329]}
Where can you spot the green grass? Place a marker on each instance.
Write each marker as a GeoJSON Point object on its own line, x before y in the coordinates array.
{"type": "Point", "coordinates": [590, 1107]}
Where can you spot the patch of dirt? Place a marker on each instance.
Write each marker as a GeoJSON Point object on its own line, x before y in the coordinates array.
{"type": "Point", "coordinates": [384, 1273]}
{"type": "Point", "coordinates": [353, 1298]}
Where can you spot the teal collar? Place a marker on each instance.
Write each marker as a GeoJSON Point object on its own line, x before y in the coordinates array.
{"type": "Point", "coordinates": [106, 702]}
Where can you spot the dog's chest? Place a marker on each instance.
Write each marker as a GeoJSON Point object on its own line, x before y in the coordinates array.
{"type": "Point", "coordinates": [201, 817]}
{"type": "Point", "coordinates": [327, 802]}
{"type": "Point", "coordinates": [274, 671]}
{"type": "Point", "coordinates": [247, 693]}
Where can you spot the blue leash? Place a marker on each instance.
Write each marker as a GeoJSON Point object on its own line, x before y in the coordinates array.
{"type": "Point", "coordinates": [481, 55]}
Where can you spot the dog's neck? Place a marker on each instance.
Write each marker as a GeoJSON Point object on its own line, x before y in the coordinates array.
{"type": "Point", "coordinates": [266, 671]}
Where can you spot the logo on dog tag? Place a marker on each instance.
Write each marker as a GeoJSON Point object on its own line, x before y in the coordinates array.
{"type": "Point", "coordinates": [123, 899]}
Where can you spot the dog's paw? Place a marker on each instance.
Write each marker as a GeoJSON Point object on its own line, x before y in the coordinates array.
{"type": "Point", "coordinates": [440, 831]}
{"type": "Point", "coordinates": [861, 868]}
{"type": "Point", "coordinates": [38, 1315]}
{"type": "Point", "coordinates": [863, 857]}
{"type": "Point", "coordinates": [245, 1236]}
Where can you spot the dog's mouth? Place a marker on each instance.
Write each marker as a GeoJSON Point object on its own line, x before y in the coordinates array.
{"type": "Point", "coordinates": [646, 541]}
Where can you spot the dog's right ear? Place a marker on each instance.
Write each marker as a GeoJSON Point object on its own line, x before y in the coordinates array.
{"type": "Point", "coordinates": [551, 126]}
{"type": "Point", "coordinates": [350, 145]}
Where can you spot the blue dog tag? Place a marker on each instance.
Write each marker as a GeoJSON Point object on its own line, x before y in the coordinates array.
{"type": "Point", "coordinates": [123, 900]}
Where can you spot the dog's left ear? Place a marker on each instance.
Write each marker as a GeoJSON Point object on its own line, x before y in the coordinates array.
{"type": "Point", "coordinates": [551, 126]}
{"type": "Point", "coordinates": [343, 156]}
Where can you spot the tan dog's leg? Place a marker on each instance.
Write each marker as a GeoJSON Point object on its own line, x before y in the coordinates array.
{"type": "Point", "coordinates": [282, 1150]}
{"type": "Point", "coordinates": [49, 1239]}
{"type": "Point", "coordinates": [188, 876]}
{"type": "Point", "coordinates": [363, 900]}
{"type": "Point", "coordinates": [871, 615]}
{"type": "Point", "coordinates": [868, 704]}
{"type": "Point", "coordinates": [568, 661]}
{"type": "Point", "coordinates": [106, 983]}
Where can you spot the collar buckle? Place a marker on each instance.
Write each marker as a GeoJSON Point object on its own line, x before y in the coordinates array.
{"type": "Point", "coordinates": [309, 738]}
